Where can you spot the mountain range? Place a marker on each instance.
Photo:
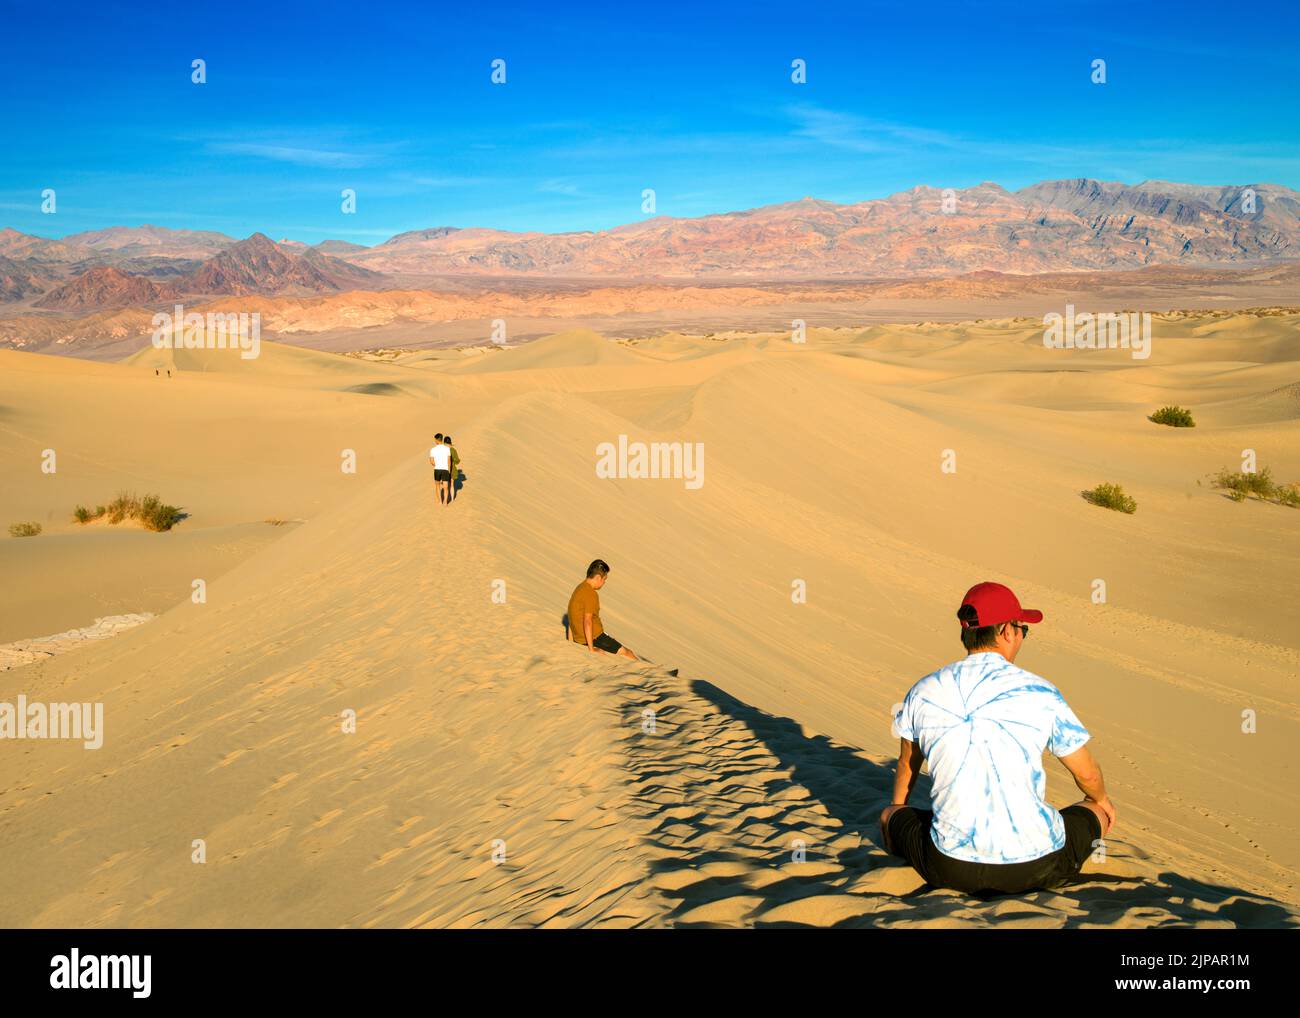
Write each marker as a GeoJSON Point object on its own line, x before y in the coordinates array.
{"type": "Point", "coordinates": [1049, 227]}
{"type": "Point", "coordinates": [257, 265]}
{"type": "Point", "coordinates": [1054, 226]}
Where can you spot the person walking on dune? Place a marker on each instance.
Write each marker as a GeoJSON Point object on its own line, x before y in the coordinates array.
{"type": "Point", "coordinates": [455, 467]}
{"type": "Point", "coordinates": [983, 724]}
{"type": "Point", "coordinates": [584, 614]}
{"type": "Point", "coordinates": [440, 457]}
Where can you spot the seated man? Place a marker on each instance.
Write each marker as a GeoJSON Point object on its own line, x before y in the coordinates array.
{"type": "Point", "coordinates": [584, 614]}
{"type": "Point", "coordinates": [983, 724]}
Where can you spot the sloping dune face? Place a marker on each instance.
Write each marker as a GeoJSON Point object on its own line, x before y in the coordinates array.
{"type": "Point", "coordinates": [375, 719]}
{"type": "Point", "coordinates": [573, 349]}
{"type": "Point", "coordinates": [233, 443]}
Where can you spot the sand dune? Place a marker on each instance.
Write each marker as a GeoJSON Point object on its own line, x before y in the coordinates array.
{"type": "Point", "coordinates": [255, 441]}
{"type": "Point", "coordinates": [573, 349]}
{"type": "Point", "coordinates": [622, 794]}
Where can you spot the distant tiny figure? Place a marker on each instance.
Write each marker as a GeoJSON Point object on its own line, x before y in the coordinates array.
{"type": "Point", "coordinates": [440, 457]}
{"type": "Point", "coordinates": [455, 465]}
{"type": "Point", "coordinates": [155, 372]}
{"type": "Point", "coordinates": [584, 614]}
{"type": "Point", "coordinates": [983, 724]}
{"type": "Point", "coordinates": [169, 372]}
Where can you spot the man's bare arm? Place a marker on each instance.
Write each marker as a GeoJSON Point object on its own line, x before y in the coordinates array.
{"type": "Point", "coordinates": [910, 761]}
{"type": "Point", "coordinates": [586, 631]}
{"type": "Point", "coordinates": [1086, 773]}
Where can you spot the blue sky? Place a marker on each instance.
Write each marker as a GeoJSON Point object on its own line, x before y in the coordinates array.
{"type": "Point", "coordinates": [602, 100]}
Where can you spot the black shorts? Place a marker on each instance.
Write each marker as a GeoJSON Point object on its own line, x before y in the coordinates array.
{"type": "Point", "coordinates": [442, 475]}
{"type": "Point", "coordinates": [607, 643]}
{"type": "Point", "coordinates": [909, 834]}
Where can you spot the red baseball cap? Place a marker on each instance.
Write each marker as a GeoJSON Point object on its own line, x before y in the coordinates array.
{"type": "Point", "coordinates": [995, 604]}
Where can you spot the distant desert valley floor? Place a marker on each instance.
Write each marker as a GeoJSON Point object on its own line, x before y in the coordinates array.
{"type": "Point", "coordinates": [501, 776]}
{"type": "Point", "coordinates": [447, 312]}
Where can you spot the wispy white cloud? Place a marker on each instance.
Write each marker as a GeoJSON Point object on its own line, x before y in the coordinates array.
{"type": "Point", "coordinates": [293, 154]}
{"type": "Point", "coordinates": [1124, 160]}
{"type": "Point", "coordinates": [557, 185]}
{"type": "Point", "coordinates": [861, 134]}
{"type": "Point", "coordinates": [404, 183]}
{"type": "Point", "coordinates": [323, 148]}
{"type": "Point", "coordinates": [439, 182]}
{"type": "Point", "coordinates": [614, 145]}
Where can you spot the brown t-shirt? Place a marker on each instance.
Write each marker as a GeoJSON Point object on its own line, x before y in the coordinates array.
{"type": "Point", "coordinates": [584, 599]}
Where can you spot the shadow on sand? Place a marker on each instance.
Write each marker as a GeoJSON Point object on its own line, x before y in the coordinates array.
{"type": "Point", "coordinates": [854, 790]}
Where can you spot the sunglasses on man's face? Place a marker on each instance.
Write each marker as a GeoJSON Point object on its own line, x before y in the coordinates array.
{"type": "Point", "coordinates": [1024, 630]}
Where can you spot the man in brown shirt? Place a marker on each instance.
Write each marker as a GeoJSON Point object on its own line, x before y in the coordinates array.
{"type": "Point", "coordinates": [584, 614]}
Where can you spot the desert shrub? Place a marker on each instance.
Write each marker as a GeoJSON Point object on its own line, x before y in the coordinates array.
{"type": "Point", "coordinates": [124, 506]}
{"type": "Point", "coordinates": [151, 511]}
{"type": "Point", "coordinates": [1174, 416]}
{"type": "Point", "coordinates": [1111, 496]}
{"type": "Point", "coordinates": [24, 529]}
{"type": "Point", "coordinates": [1239, 485]}
{"type": "Point", "coordinates": [158, 517]}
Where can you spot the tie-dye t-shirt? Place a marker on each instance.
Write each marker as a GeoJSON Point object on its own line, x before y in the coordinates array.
{"type": "Point", "coordinates": [982, 724]}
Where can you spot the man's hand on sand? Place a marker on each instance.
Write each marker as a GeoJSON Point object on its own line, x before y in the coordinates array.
{"type": "Point", "coordinates": [1107, 807]}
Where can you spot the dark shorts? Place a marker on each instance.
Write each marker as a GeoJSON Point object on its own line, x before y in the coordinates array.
{"type": "Point", "coordinates": [442, 475]}
{"type": "Point", "coordinates": [607, 643]}
{"type": "Point", "coordinates": [909, 834]}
